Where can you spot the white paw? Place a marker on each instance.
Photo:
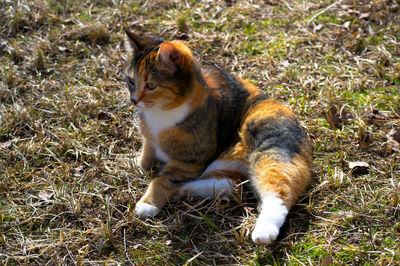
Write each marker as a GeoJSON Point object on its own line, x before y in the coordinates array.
{"type": "Point", "coordinates": [272, 216]}
{"type": "Point", "coordinates": [265, 233]}
{"type": "Point", "coordinates": [144, 210]}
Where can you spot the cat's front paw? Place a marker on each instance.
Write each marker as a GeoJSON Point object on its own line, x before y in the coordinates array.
{"type": "Point", "coordinates": [144, 210]}
{"type": "Point", "coordinates": [143, 163]}
{"type": "Point", "coordinates": [265, 233]}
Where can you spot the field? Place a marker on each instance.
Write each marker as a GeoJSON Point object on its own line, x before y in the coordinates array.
{"type": "Point", "coordinates": [68, 134]}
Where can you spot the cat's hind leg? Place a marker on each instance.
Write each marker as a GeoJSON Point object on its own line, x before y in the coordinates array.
{"type": "Point", "coordinates": [279, 168]}
{"type": "Point", "coordinates": [218, 179]}
{"type": "Point", "coordinates": [279, 164]}
{"type": "Point", "coordinates": [279, 183]}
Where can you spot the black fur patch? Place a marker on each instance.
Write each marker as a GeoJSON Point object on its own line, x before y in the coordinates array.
{"type": "Point", "coordinates": [139, 55]}
{"type": "Point", "coordinates": [275, 133]}
{"type": "Point", "coordinates": [259, 98]}
{"type": "Point", "coordinates": [230, 111]}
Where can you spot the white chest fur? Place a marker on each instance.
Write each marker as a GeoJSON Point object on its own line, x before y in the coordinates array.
{"type": "Point", "coordinates": [158, 120]}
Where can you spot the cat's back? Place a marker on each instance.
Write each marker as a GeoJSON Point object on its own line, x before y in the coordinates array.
{"type": "Point", "coordinates": [232, 93]}
{"type": "Point", "coordinates": [233, 96]}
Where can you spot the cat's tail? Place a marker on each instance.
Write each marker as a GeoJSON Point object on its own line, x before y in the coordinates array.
{"type": "Point", "coordinates": [275, 172]}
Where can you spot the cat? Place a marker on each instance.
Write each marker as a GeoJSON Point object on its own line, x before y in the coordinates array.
{"type": "Point", "coordinates": [212, 130]}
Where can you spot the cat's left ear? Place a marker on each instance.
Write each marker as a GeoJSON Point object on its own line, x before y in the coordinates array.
{"type": "Point", "coordinates": [170, 57]}
{"type": "Point", "coordinates": [135, 42]}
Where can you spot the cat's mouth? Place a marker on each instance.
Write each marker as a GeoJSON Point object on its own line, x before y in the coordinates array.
{"type": "Point", "coordinates": [137, 101]}
{"type": "Point", "coordinates": [141, 104]}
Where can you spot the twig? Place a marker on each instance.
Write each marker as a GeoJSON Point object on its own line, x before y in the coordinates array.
{"type": "Point", "coordinates": [192, 258]}
{"type": "Point", "coordinates": [126, 252]}
{"type": "Point", "coordinates": [324, 10]}
{"type": "Point", "coordinates": [69, 254]}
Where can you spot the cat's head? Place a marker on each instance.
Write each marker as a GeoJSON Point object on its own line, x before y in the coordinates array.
{"type": "Point", "coordinates": [160, 73]}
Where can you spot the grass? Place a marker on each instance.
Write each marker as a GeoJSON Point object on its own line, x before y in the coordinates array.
{"type": "Point", "coordinates": [68, 136]}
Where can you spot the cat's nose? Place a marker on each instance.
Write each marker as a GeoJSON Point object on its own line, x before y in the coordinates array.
{"type": "Point", "coordinates": [134, 100]}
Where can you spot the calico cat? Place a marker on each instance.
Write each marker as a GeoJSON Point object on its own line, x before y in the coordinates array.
{"type": "Point", "coordinates": [211, 130]}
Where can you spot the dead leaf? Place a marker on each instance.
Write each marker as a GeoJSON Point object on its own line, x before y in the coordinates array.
{"type": "Point", "coordinates": [394, 7]}
{"type": "Point", "coordinates": [38, 203]}
{"type": "Point", "coordinates": [249, 209]}
{"type": "Point", "coordinates": [45, 195]}
{"type": "Point", "coordinates": [69, 21]}
{"type": "Point", "coordinates": [341, 217]}
{"type": "Point", "coordinates": [331, 116]}
{"type": "Point", "coordinates": [335, 117]}
{"type": "Point", "coordinates": [78, 171]}
{"type": "Point", "coordinates": [63, 49]}
{"type": "Point", "coordinates": [358, 168]}
{"type": "Point", "coordinates": [271, 2]}
{"type": "Point", "coordinates": [346, 25]}
{"type": "Point", "coordinates": [318, 27]}
{"type": "Point", "coordinates": [104, 116]}
{"type": "Point", "coordinates": [346, 7]}
{"type": "Point", "coordinates": [394, 137]}
{"type": "Point", "coordinates": [230, 2]}
{"type": "Point", "coordinates": [364, 15]}
{"type": "Point", "coordinates": [356, 34]}
{"type": "Point", "coordinates": [327, 261]}
{"type": "Point", "coordinates": [6, 144]}
{"type": "Point", "coordinates": [395, 199]}
{"type": "Point", "coordinates": [344, 215]}
{"type": "Point", "coordinates": [377, 116]}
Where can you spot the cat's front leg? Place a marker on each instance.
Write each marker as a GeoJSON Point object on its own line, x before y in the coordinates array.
{"type": "Point", "coordinates": [157, 194]}
{"type": "Point", "coordinates": [163, 188]}
{"type": "Point", "coordinates": [146, 156]}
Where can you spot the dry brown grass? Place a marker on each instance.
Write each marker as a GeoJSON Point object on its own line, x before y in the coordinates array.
{"type": "Point", "coordinates": [68, 136]}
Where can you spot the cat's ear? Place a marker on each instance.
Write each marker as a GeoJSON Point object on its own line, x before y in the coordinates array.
{"type": "Point", "coordinates": [135, 42]}
{"type": "Point", "coordinates": [170, 57]}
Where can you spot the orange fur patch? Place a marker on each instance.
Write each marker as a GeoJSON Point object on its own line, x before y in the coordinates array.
{"type": "Point", "coordinates": [197, 97]}
{"type": "Point", "coordinates": [250, 88]}
{"type": "Point", "coordinates": [287, 179]}
{"type": "Point", "coordinates": [268, 108]}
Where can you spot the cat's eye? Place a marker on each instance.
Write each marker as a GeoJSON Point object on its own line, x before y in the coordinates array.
{"type": "Point", "coordinates": [151, 85]}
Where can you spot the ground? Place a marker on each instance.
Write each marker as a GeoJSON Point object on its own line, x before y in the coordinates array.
{"type": "Point", "coordinates": [68, 135]}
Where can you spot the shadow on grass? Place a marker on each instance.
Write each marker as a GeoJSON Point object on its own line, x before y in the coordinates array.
{"type": "Point", "coordinates": [218, 232]}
